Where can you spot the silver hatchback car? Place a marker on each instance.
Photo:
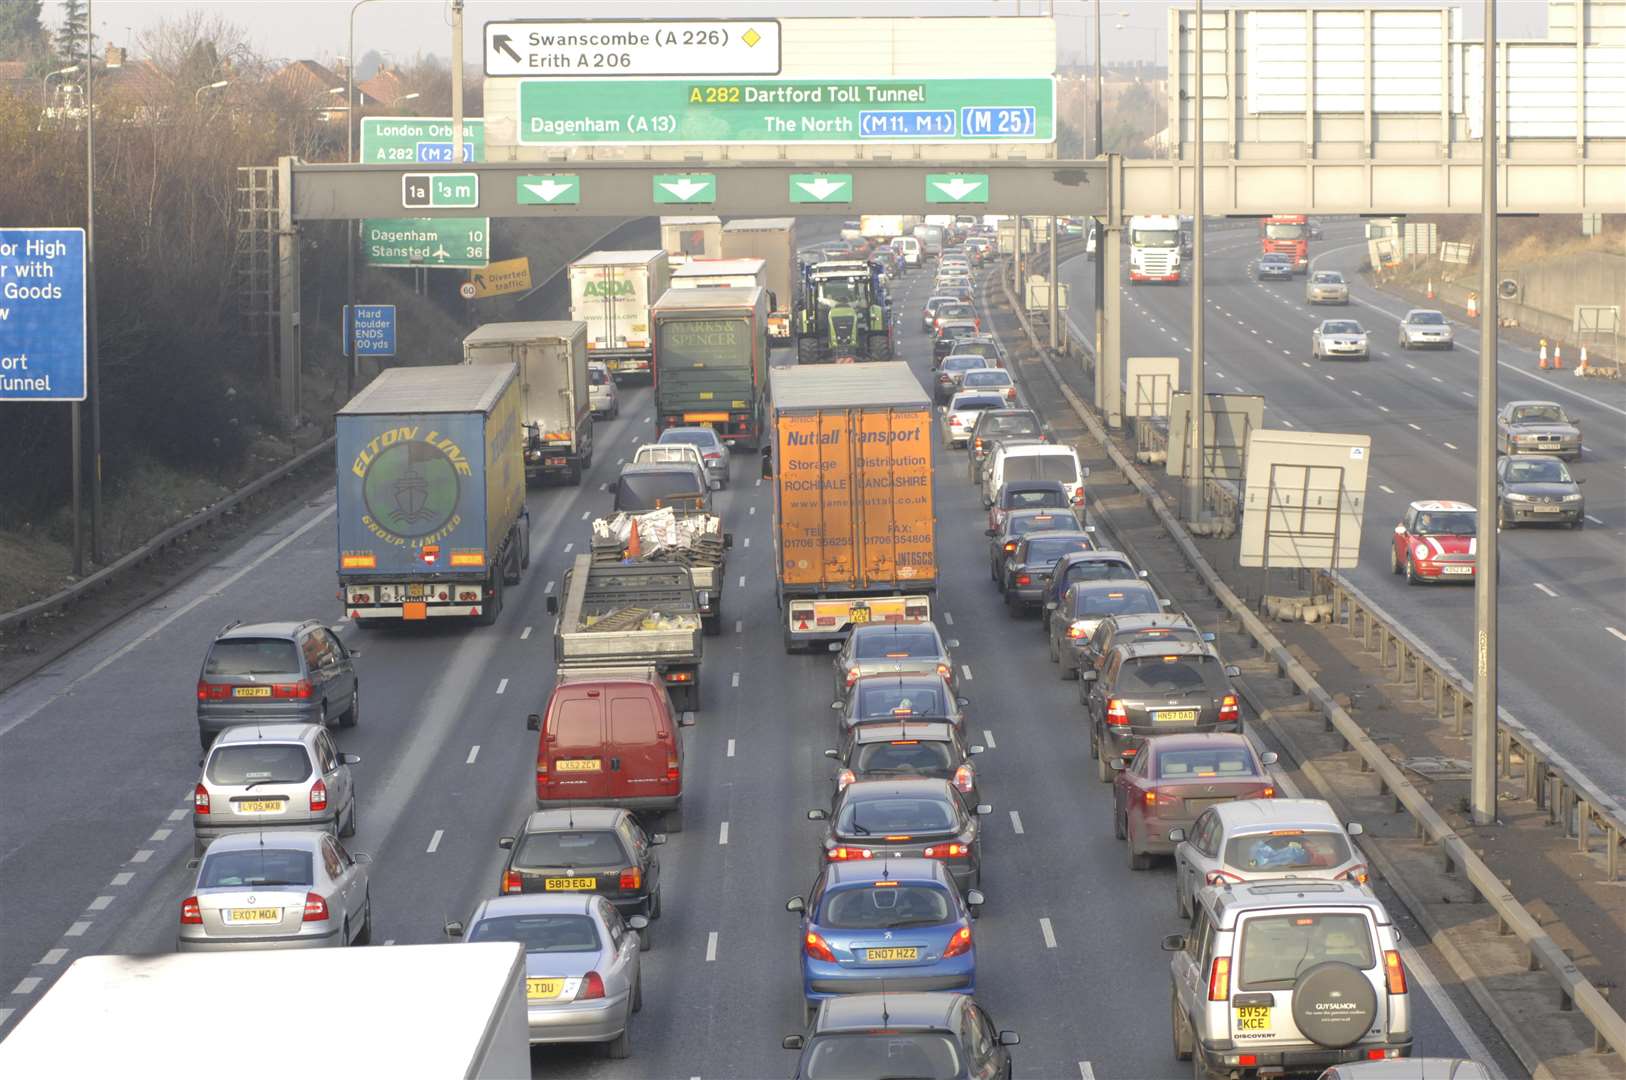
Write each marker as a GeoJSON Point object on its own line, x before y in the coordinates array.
{"type": "Point", "coordinates": [277, 671]}
{"type": "Point", "coordinates": [713, 450]}
{"type": "Point", "coordinates": [277, 890]}
{"type": "Point", "coordinates": [582, 970]}
{"type": "Point", "coordinates": [273, 776]}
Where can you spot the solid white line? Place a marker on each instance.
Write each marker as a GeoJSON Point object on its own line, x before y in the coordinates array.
{"type": "Point", "coordinates": [502, 686]}
{"type": "Point", "coordinates": [121, 878]}
{"type": "Point", "coordinates": [141, 856]}
{"type": "Point", "coordinates": [1049, 934]}
{"type": "Point", "coordinates": [525, 633]}
{"type": "Point", "coordinates": [1386, 489]}
{"type": "Point", "coordinates": [176, 815]}
{"type": "Point", "coordinates": [77, 929]}
{"type": "Point", "coordinates": [1595, 521]}
{"type": "Point", "coordinates": [159, 836]}
{"type": "Point", "coordinates": [722, 834]}
{"type": "Point", "coordinates": [736, 680]}
{"type": "Point", "coordinates": [1450, 446]}
{"type": "Point", "coordinates": [27, 985]}
{"type": "Point", "coordinates": [434, 841]}
{"type": "Point", "coordinates": [1545, 589]}
{"type": "Point", "coordinates": [730, 748]}
{"type": "Point", "coordinates": [1466, 1036]}
{"type": "Point", "coordinates": [1621, 634]}
{"type": "Point", "coordinates": [988, 739]}
{"type": "Point", "coordinates": [1016, 823]}
{"type": "Point", "coordinates": [52, 956]}
{"type": "Point", "coordinates": [474, 752]}
{"type": "Point", "coordinates": [711, 946]}
{"type": "Point", "coordinates": [948, 618]}
{"type": "Point", "coordinates": [965, 669]}
{"type": "Point", "coordinates": [101, 903]}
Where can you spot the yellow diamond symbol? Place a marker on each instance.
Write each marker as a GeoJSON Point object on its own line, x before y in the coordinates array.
{"type": "Point", "coordinates": [750, 37]}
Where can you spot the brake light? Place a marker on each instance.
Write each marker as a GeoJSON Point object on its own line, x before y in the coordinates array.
{"type": "Point", "coordinates": [1219, 979]}
{"type": "Point", "coordinates": [673, 773]}
{"type": "Point", "coordinates": [1229, 713]}
{"type": "Point", "coordinates": [200, 799]}
{"type": "Point", "coordinates": [843, 853]}
{"type": "Point", "coordinates": [965, 778]}
{"type": "Point", "coordinates": [191, 913]}
{"type": "Point", "coordinates": [632, 879]}
{"type": "Point", "coordinates": [818, 948]}
{"type": "Point", "coordinates": [1077, 630]}
{"type": "Point", "coordinates": [948, 851]}
{"type": "Point", "coordinates": [1247, 1059]}
{"type": "Point", "coordinates": [1078, 495]}
{"type": "Point", "coordinates": [1010, 546]}
{"type": "Point", "coordinates": [714, 456]}
{"type": "Point", "coordinates": [315, 908]}
{"type": "Point", "coordinates": [959, 944]}
{"type": "Point", "coordinates": [852, 676]}
{"type": "Point", "coordinates": [944, 670]}
{"type": "Point", "coordinates": [319, 796]}
{"type": "Point", "coordinates": [1266, 792]}
{"type": "Point", "coordinates": [592, 987]}
{"type": "Point", "coordinates": [1357, 873]}
{"type": "Point", "coordinates": [843, 778]}
{"type": "Point", "coordinates": [208, 691]}
{"type": "Point", "coordinates": [1024, 579]}
{"type": "Point", "coordinates": [1159, 798]}
{"type": "Point", "coordinates": [1394, 971]}
{"type": "Point", "coordinates": [300, 690]}
{"type": "Point", "coordinates": [1117, 715]}
{"type": "Point", "coordinates": [976, 444]}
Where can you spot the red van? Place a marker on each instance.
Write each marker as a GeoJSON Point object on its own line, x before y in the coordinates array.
{"type": "Point", "coordinates": [612, 739]}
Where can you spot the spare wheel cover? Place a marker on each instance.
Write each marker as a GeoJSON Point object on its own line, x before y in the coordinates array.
{"type": "Point", "coordinates": [1334, 1005]}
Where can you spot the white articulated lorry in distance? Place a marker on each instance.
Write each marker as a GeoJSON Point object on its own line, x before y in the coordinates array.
{"type": "Point", "coordinates": [611, 292]}
{"type": "Point", "coordinates": [557, 411]}
{"type": "Point", "coordinates": [721, 274]}
{"type": "Point", "coordinates": [773, 240]}
{"type": "Point", "coordinates": [407, 1010]}
{"type": "Point", "coordinates": [686, 238]}
{"type": "Point", "coordinates": [1154, 249]}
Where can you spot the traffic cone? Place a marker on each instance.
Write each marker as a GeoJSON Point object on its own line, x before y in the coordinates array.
{"type": "Point", "coordinates": [1542, 356]}
{"type": "Point", "coordinates": [1580, 369]}
{"type": "Point", "coordinates": [1431, 288]}
{"type": "Point", "coordinates": [635, 546]}
{"type": "Point", "coordinates": [1473, 305]}
{"type": "Point", "coordinates": [1558, 357]}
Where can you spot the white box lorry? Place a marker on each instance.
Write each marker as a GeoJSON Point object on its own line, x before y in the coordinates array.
{"type": "Point", "coordinates": [772, 240]}
{"type": "Point", "coordinates": [721, 274]}
{"type": "Point", "coordinates": [611, 292]}
{"type": "Point", "coordinates": [557, 409]}
{"type": "Point", "coordinates": [403, 1010]}
{"type": "Point", "coordinates": [686, 238]}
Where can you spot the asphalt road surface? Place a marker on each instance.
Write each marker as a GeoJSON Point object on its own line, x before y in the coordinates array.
{"type": "Point", "coordinates": [98, 756]}
{"type": "Point", "coordinates": [1563, 593]}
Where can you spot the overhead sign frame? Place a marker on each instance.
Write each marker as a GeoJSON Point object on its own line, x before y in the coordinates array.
{"type": "Point", "coordinates": [632, 48]}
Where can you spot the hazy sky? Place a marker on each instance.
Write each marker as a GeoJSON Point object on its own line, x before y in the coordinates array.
{"type": "Point", "coordinates": [317, 29]}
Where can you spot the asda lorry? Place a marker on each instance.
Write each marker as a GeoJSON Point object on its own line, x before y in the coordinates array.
{"type": "Point", "coordinates": [556, 412]}
{"type": "Point", "coordinates": [773, 240]}
{"type": "Point", "coordinates": [408, 1010]}
{"type": "Point", "coordinates": [431, 494]}
{"type": "Point", "coordinates": [685, 238]}
{"type": "Point", "coordinates": [850, 456]}
{"type": "Point", "coordinates": [611, 292]}
{"type": "Point", "coordinates": [711, 360]}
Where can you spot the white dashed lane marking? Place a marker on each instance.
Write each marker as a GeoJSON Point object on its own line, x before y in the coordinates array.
{"type": "Point", "coordinates": [434, 841]}
{"type": "Point", "coordinates": [525, 633]}
{"type": "Point", "coordinates": [1545, 589]}
{"type": "Point", "coordinates": [1049, 934]}
{"type": "Point", "coordinates": [965, 670]}
{"type": "Point", "coordinates": [722, 834]}
{"type": "Point", "coordinates": [1016, 823]}
{"type": "Point", "coordinates": [730, 748]}
{"type": "Point", "coordinates": [502, 686]}
{"type": "Point", "coordinates": [1450, 446]}
{"type": "Point", "coordinates": [1386, 489]}
{"type": "Point", "coordinates": [988, 739]}
{"type": "Point", "coordinates": [474, 752]}
{"type": "Point", "coordinates": [711, 947]}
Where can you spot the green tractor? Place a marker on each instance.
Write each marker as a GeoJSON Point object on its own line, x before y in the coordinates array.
{"type": "Point", "coordinates": [843, 314]}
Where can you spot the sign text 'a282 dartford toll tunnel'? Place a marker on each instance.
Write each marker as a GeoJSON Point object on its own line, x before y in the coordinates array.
{"type": "Point", "coordinates": [572, 111]}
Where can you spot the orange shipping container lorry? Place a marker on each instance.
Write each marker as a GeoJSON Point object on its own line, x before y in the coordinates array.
{"type": "Point", "coordinates": [855, 534]}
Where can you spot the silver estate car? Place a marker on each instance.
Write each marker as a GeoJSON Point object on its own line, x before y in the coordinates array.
{"type": "Point", "coordinates": [1326, 287]}
{"type": "Point", "coordinates": [273, 776]}
{"type": "Point", "coordinates": [1338, 339]}
{"type": "Point", "coordinates": [1277, 976]}
{"type": "Point", "coordinates": [602, 396]}
{"type": "Point", "coordinates": [277, 890]}
{"type": "Point", "coordinates": [1424, 328]}
{"type": "Point", "coordinates": [582, 970]}
{"type": "Point", "coordinates": [277, 671]}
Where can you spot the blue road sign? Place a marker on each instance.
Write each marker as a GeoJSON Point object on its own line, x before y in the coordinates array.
{"type": "Point", "coordinates": [375, 329]}
{"type": "Point", "coordinates": [42, 314]}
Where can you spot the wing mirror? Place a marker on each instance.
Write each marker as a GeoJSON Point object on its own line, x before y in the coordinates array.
{"type": "Point", "coordinates": [796, 903]}
{"type": "Point", "coordinates": [638, 922]}
{"type": "Point", "coordinates": [1269, 757]}
{"type": "Point", "coordinates": [1089, 676]}
{"type": "Point", "coordinates": [1174, 943]}
{"type": "Point", "coordinates": [976, 748]}
{"type": "Point", "coordinates": [767, 463]}
{"type": "Point", "coordinates": [1009, 1038]}
{"type": "Point", "coordinates": [1177, 835]}
{"type": "Point", "coordinates": [1162, 600]}
{"type": "Point", "coordinates": [1400, 530]}
{"type": "Point", "coordinates": [962, 702]}
{"type": "Point", "coordinates": [533, 722]}
{"type": "Point", "coordinates": [835, 646]}
{"type": "Point", "coordinates": [791, 1042]}
{"type": "Point", "coordinates": [686, 719]}
{"type": "Point", "coordinates": [974, 902]}
{"type": "Point", "coordinates": [832, 752]}
{"type": "Point", "coordinates": [454, 929]}
{"type": "Point", "coordinates": [1141, 573]}
{"type": "Point", "coordinates": [818, 814]}
{"type": "Point", "coordinates": [1232, 671]}
{"type": "Point", "coordinates": [728, 541]}
{"type": "Point", "coordinates": [1118, 764]}
{"type": "Point", "coordinates": [1355, 828]}
{"type": "Point", "coordinates": [350, 759]}
{"type": "Point", "coordinates": [984, 809]}
{"type": "Point", "coordinates": [505, 842]}
{"type": "Point", "coordinates": [657, 839]}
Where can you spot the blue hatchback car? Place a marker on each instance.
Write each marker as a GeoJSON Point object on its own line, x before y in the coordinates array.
{"type": "Point", "coordinates": [897, 922]}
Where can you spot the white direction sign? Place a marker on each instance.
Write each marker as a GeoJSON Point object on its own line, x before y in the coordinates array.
{"type": "Point", "coordinates": [599, 48]}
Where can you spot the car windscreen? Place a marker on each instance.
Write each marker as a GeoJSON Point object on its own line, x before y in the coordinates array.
{"type": "Point", "coordinates": [1009, 424]}
{"type": "Point", "coordinates": [954, 330]}
{"type": "Point", "coordinates": [1538, 414]}
{"type": "Point", "coordinates": [252, 656]}
{"type": "Point", "coordinates": [598, 376]}
{"type": "Point", "coordinates": [1100, 570]}
{"type": "Point", "coordinates": [1042, 467]}
{"type": "Point", "coordinates": [905, 757]}
{"type": "Point", "coordinates": [902, 641]}
{"type": "Point", "coordinates": [1173, 674]}
{"type": "Point", "coordinates": [977, 403]}
{"type": "Point", "coordinates": [982, 348]}
{"type": "Point", "coordinates": [1045, 550]}
{"type": "Point", "coordinates": [1342, 328]}
{"type": "Point", "coordinates": [1154, 237]}
{"type": "Point", "coordinates": [897, 815]}
{"type": "Point", "coordinates": [540, 933]}
{"type": "Point", "coordinates": [885, 906]}
{"type": "Point", "coordinates": [651, 490]}
{"type": "Point", "coordinates": [916, 1055]}
{"type": "Point", "coordinates": [964, 362]}
{"type": "Point", "coordinates": [1329, 277]}
{"type": "Point", "coordinates": [260, 867]}
{"type": "Point", "coordinates": [1033, 498]}
{"type": "Point", "coordinates": [907, 699]}
{"type": "Point", "coordinates": [1537, 472]}
{"type": "Point", "coordinates": [1099, 603]}
{"type": "Point", "coordinates": [1276, 949]}
{"type": "Point", "coordinates": [259, 763]}
{"type": "Point", "coordinates": [1281, 231]}
{"type": "Point", "coordinates": [1447, 523]}
{"type": "Point", "coordinates": [957, 311]}
{"type": "Point", "coordinates": [1220, 762]}
{"type": "Point", "coordinates": [691, 344]}
{"type": "Point", "coordinates": [1020, 525]}
{"type": "Point", "coordinates": [979, 377]}
{"type": "Point", "coordinates": [1287, 849]}
{"type": "Point", "coordinates": [594, 847]}
{"type": "Point", "coordinates": [1426, 318]}
{"type": "Point", "coordinates": [705, 440]}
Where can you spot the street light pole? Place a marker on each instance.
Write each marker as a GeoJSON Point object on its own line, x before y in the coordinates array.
{"type": "Point", "coordinates": [197, 95]}
{"type": "Point", "coordinates": [1483, 802]}
{"type": "Point", "coordinates": [93, 379]}
{"type": "Point", "coordinates": [350, 226]}
{"type": "Point", "coordinates": [457, 83]}
{"type": "Point", "coordinates": [1194, 475]}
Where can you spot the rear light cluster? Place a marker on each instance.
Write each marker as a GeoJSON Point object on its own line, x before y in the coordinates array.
{"type": "Point", "coordinates": [1024, 579]}
{"type": "Point", "coordinates": [511, 882]}
{"type": "Point", "coordinates": [842, 853]}
{"type": "Point", "coordinates": [964, 778]}
{"type": "Point", "coordinates": [200, 799]}
{"type": "Point", "coordinates": [592, 987]}
{"type": "Point", "coordinates": [944, 670]}
{"type": "Point", "coordinates": [843, 778]}
{"type": "Point", "coordinates": [1228, 711]}
{"type": "Point", "coordinates": [818, 948]}
{"type": "Point", "coordinates": [319, 796]}
{"type": "Point", "coordinates": [1117, 715]}
{"type": "Point", "coordinates": [208, 691]}
{"type": "Point", "coordinates": [948, 851]}
{"type": "Point", "coordinates": [1394, 971]}
{"type": "Point", "coordinates": [918, 611]}
{"type": "Point", "coordinates": [1076, 631]}
{"type": "Point", "coordinates": [631, 880]}
{"type": "Point", "coordinates": [1219, 979]}
{"type": "Point", "coordinates": [852, 676]}
{"type": "Point", "coordinates": [191, 913]}
{"type": "Point", "coordinates": [315, 908]}
{"type": "Point", "coordinates": [959, 944]}
{"type": "Point", "coordinates": [673, 773]}
{"type": "Point", "coordinates": [1158, 798]}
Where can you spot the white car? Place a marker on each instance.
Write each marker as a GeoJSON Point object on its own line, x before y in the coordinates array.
{"type": "Point", "coordinates": [1423, 328]}
{"type": "Point", "coordinates": [1338, 338]}
{"type": "Point", "coordinates": [601, 393]}
{"type": "Point", "coordinates": [961, 413]}
{"type": "Point", "coordinates": [990, 380]}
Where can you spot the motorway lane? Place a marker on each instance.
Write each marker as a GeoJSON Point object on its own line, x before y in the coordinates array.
{"type": "Point", "coordinates": [1561, 657]}
{"type": "Point", "coordinates": [1087, 985]}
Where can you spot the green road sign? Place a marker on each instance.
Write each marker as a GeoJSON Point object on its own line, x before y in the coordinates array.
{"type": "Point", "coordinates": [422, 140]}
{"type": "Point", "coordinates": [690, 111]}
{"type": "Point", "coordinates": [821, 187]}
{"type": "Point", "coordinates": [685, 188]}
{"type": "Point", "coordinates": [957, 187]}
{"type": "Point", "coordinates": [554, 189]}
{"type": "Point", "coordinates": [439, 189]}
{"type": "Point", "coordinates": [451, 243]}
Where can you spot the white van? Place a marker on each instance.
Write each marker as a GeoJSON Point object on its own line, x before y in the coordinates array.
{"type": "Point", "coordinates": [1034, 461]}
{"type": "Point", "coordinates": [908, 249]}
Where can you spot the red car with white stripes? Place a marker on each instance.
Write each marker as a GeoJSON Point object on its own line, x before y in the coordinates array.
{"type": "Point", "coordinates": [1436, 541]}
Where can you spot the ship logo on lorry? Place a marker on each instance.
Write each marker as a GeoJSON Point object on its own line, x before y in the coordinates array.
{"type": "Point", "coordinates": [410, 485]}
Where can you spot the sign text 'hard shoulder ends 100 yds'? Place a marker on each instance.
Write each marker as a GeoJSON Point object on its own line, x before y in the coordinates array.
{"type": "Point", "coordinates": [570, 111]}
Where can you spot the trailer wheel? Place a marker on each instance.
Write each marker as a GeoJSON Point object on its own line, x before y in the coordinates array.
{"type": "Point", "coordinates": [573, 474]}
{"type": "Point", "coordinates": [712, 625]}
{"type": "Point", "coordinates": [493, 606]}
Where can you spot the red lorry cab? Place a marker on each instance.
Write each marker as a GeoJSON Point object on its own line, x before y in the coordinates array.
{"type": "Point", "coordinates": [611, 739]}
